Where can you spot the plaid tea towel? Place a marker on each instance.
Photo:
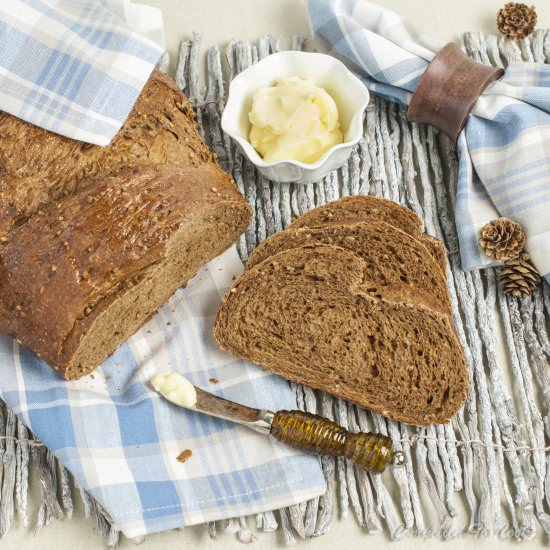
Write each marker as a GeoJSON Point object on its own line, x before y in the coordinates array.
{"type": "Point", "coordinates": [76, 67]}
{"type": "Point", "coordinates": [121, 440]}
{"type": "Point", "coordinates": [504, 151]}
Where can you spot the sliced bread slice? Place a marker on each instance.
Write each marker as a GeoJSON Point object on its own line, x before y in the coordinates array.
{"type": "Point", "coordinates": [373, 209]}
{"type": "Point", "coordinates": [306, 314]}
{"type": "Point", "coordinates": [394, 259]}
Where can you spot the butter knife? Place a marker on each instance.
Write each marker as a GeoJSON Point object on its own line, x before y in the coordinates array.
{"type": "Point", "coordinates": [303, 430]}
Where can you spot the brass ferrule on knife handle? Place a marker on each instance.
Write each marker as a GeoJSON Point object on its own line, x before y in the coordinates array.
{"type": "Point", "coordinates": [314, 433]}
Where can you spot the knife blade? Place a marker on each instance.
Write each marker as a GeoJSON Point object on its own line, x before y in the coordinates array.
{"type": "Point", "coordinates": [257, 419]}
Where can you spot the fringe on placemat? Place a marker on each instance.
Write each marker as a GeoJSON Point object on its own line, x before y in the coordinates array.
{"type": "Point", "coordinates": [493, 453]}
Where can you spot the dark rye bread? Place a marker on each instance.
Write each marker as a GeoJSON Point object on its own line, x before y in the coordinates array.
{"type": "Point", "coordinates": [306, 314]}
{"type": "Point", "coordinates": [83, 274]}
{"type": "Point", "coordinates": [394, 259]}
{"type": "Point", "coordinates": [37, 166]}
{"type": "Point", "coordinates": [373, 209]}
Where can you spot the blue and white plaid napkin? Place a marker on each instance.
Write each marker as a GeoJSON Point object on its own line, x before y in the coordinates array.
{"type": "Point", "coordinates": [76, 67]}
{"type": "Point", "coordinates": [120, 439]}
{"type": "Point", "coordinates": [504, 151]}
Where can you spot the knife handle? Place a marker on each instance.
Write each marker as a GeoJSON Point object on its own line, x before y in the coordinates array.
{"type": "Point", "coordinates": [314, 433]}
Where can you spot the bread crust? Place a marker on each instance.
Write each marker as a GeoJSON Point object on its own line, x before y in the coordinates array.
{"type": "Point", "coordinates": [38, 166]}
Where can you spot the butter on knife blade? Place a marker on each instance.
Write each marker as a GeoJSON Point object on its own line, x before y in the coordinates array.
{"type": "Point", "coordinates": [176, 388]}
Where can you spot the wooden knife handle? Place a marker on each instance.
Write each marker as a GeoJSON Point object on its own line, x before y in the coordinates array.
{"type": "Point", "coordinates": [314, 433]}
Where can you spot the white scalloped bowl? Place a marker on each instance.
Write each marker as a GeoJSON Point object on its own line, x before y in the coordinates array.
{"type": "Point", "coordinates": [349, 93]}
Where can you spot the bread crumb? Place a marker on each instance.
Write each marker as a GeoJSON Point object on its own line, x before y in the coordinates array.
{"type": "Point", "coordinates": [213, 380]}
{"type": "Point", "coordinates": [214, 190]}
{"type": "Point", "coordinates": [168, 323]}
{"type": "Point", "coordinates": [108, 377]}
{"type": "Point", "coordinates": [92, 376]}
{"type": "Point", "coordinates": [54, 268]}
{"type": "Point", "coordinates": [184, 455]}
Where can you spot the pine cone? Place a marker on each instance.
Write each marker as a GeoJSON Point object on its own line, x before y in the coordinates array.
{"type": "Point", "coordinates": [501, 239]}
{"type": "Point", "coordinates": [516, 20]}
{"type": "Point", "coordinates": [519, 276]}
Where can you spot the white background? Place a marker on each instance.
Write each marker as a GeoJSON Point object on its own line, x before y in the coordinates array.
{"type": "Point", "coordinates": [218, 21]}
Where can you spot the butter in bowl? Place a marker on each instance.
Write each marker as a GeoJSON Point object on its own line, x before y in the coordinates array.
{"type": "Point", "coordinates": [296, 115]}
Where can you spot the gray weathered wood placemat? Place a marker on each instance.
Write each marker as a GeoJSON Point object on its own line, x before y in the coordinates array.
{"type": "Point", "coordinates": [494, 451]}
{"type": "Point", "coordinates": [493, 454]}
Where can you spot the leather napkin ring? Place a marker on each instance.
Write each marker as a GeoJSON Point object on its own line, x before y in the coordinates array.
{"type": "Point", "coordinates": [448, 90]}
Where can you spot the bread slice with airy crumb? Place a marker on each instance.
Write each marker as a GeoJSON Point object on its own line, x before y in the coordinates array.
{"type": "Point", "coordinates": [394, 259]}
{"type": "Point", "coordinates": [306, 314]}
{"type": "Point", "coordinates": [369, 208]}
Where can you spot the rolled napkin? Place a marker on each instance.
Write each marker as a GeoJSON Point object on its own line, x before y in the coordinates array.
{"type": "Point", "coordinates": [76, 67]}
{"type": "Point", "coordinates": [121, 440]}
{"type": "Point", "coordinates": [504, 149]}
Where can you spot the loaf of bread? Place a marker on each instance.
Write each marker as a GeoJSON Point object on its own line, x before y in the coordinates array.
{"type": "Point", "coordinates": [82, 275]}
{"type": "Point", "coordinates": [38, 166]}
{"type": "Point", "coordinates": [307, 314]}
{"type": "Point", "coordinates": [94, 240]}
